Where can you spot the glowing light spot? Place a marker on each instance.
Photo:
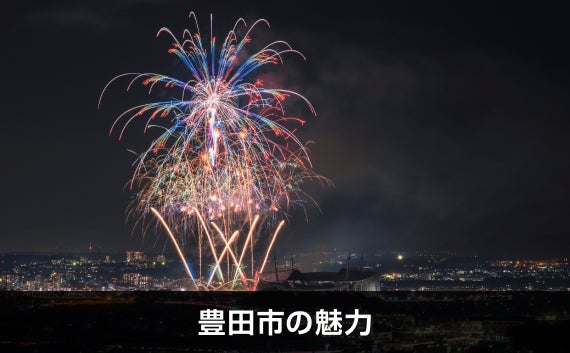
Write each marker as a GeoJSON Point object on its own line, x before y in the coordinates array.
{"type": "Point", "coordinates": [216, 133]}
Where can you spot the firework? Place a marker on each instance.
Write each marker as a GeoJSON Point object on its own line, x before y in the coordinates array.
{"type": "Point", "coordinates": [227, 157]}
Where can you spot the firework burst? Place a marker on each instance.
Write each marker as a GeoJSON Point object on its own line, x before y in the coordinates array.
{"type": "Point", "coordinates": [225, 159]}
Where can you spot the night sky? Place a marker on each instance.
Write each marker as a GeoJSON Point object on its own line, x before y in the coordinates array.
{"type": "Point", "coordinates": [441, 126]}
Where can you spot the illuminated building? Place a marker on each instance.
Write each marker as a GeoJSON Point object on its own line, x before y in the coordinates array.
{"type": "Point", "coordinates": [134, 256]}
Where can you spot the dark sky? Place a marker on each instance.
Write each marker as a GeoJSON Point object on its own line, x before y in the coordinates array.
{"type": "Point", "coordinates": [442, 126]}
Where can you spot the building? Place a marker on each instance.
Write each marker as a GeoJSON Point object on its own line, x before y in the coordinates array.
{"type": "Point", "coordinates": [135, 256]}
{"type": "Point", "coordinates": [7, 282]}
{"type": "Point", "coordinates": [344, 280]}
{"type": "Point", "coordinates": [131, 278]}
{"type": "Point", "coordinates": [40, 282]}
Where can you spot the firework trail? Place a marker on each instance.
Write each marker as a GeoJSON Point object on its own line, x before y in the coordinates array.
{"type": "Point", "coordinates": [225, 156]}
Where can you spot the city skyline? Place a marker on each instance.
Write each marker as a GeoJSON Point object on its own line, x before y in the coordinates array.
{"type": "Point", "coordinates": [333, 269]}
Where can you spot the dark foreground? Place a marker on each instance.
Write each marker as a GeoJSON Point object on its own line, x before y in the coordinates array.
{"type": "Point", "coordinates": [401, 321]}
